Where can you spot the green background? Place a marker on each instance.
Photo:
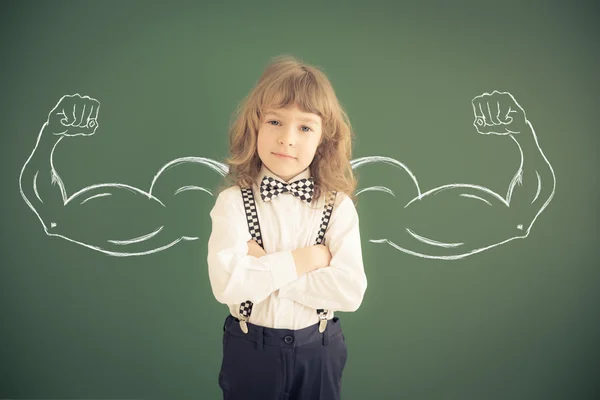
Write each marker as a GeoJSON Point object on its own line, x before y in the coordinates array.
{"type": "Point", "coordinates": [518, 321]}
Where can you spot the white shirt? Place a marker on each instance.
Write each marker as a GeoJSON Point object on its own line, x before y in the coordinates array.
{"type": "Point", "coordinates": [281, 298]}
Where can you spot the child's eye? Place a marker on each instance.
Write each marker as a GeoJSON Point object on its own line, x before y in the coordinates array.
{"type": "Point", "coordinates": [304, 126]}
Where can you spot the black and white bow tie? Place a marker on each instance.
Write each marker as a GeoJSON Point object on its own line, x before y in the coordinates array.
{"type": "Point", "coordinates": [302, 188]}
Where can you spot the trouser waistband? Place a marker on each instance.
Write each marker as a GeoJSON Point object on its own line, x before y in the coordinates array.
{"type": "Point", "coordinates": [282, 337]}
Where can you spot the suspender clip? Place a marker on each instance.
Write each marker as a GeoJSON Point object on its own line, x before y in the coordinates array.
{"type": "Point", "coordinates": [322, 322]}
{"type": "Point", "coordinates": [243, 326]}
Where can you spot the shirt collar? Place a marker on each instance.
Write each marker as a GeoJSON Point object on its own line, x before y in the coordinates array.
{"type": "Point", "coordinates": [265, 171]}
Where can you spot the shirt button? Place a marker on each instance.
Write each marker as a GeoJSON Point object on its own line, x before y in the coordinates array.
{"type": "Point", "coordinates": [288, 339]}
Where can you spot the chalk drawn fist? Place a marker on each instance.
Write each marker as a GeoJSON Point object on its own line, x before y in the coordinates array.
{"type": "Point", "coordinates": [497, 113]}
{"type": "Point", "coordinates": [74, 115]}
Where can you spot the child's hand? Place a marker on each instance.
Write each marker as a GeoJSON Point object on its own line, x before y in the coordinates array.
{"type": "Point", "coordinates": [322, 256]}
{"type": "Point", "coordinates": [255, 250]}
{"type": "Point", "coordinates": [311, 258]}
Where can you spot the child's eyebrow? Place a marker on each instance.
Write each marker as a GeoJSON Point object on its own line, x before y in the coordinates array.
{"type": "Point", "coordinates": [305, 119]}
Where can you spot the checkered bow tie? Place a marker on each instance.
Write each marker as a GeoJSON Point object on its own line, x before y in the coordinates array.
{"type": "Point", "coordinates": [302, 188]}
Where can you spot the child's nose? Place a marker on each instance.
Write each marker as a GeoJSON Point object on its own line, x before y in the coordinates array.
{"type": "Point", "coordinates": [287, 138]}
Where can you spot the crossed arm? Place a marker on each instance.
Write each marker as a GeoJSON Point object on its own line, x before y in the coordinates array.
{"type": "Point", "coordinates": [330, 277]}
{"type": "Point", "coordinates": [306, 258]}
{"type": "Point", "coordinates": [327, 277]}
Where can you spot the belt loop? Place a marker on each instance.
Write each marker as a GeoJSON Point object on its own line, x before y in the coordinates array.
{"type": "Point", "coordinates": [325, 337]}
{"type": "Point", "coordinates": [259, 338]}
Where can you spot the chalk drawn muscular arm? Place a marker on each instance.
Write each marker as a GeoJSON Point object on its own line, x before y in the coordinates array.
{"type": "Point", "coordinates": [534, 182]}
{"type": "Point", "coordinates": [114, 218]}
{"type": "Point", "coordinates": [41, 187]}
{"type": "Point", "coordinates": [456, 220]}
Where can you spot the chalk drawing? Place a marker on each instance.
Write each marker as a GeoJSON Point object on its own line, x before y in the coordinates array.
{"type": "Point", "coordinates": [495, 113]}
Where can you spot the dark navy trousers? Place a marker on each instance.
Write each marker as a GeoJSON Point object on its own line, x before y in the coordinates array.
{"type": "Point", "coordinates": [282, 364]}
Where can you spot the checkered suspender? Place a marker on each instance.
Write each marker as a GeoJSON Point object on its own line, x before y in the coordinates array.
{"type": "Point", "coordinates": [329, 202]}
{"type": "Point", "coordinates": [255, 233]}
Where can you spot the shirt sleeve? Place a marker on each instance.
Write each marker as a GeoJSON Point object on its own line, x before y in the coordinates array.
{"type": "Point", "coordinates": [234, 275]}
{"type": "Point", "coordinates": [340, 286]}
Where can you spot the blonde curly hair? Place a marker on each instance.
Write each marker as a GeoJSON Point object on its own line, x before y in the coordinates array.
{"type": "Point", "coordinates": [285, 81]}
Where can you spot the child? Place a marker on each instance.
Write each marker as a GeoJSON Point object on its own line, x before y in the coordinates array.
{"type": "Point", "coordinates": [284, 253]}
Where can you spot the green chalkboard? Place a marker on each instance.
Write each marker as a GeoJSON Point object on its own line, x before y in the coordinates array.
{"type": "Point", "coordinates": [475, 152]}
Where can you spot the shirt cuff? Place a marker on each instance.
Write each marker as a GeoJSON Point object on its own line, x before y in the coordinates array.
{"type": "Point", "coordinates": [282, 266]}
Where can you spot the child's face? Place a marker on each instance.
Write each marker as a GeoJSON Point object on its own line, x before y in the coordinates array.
{"type": "Point", "coordinates": [291, 132]}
